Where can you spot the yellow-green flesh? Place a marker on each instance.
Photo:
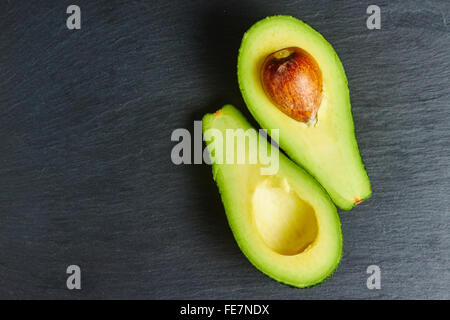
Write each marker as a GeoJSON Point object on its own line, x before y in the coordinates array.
{"type": "Point", "coordinates": [328, 150]}
{"type": "Point", "coordinates": [284, 223]}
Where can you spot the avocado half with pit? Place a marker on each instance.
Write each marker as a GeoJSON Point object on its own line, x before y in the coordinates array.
{"type": "Point", "coordinates": [283, 221]}
{"type": "Point", "coordinates": [292, 79]}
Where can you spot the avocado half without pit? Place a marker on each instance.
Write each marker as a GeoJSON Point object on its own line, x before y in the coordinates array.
{"type": "Point", "coordinates": [284, 223]}
{"type": "Point", "coordinates": [292, 80]}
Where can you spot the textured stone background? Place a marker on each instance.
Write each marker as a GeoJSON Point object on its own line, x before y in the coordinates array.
{"type": "Point", "coordinates": [85, 124]}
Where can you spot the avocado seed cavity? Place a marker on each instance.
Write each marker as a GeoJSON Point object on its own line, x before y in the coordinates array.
{"type": "Point", "coordinates": [293, 81]}
{"type": "Point", "coordinates": [286, 223]}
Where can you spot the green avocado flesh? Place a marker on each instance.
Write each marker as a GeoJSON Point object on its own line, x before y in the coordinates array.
{"type": "Point", "coordinates": [328, 149]}
{"type": "Point", "coordinates": [284, 222]}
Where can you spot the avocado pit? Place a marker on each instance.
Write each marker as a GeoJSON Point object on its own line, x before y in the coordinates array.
{"type": "Point", "coordinates": [292, 79]}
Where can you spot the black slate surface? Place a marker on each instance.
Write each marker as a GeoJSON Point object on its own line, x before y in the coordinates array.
{"type": "Point", "coordinates": [86, 177]}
